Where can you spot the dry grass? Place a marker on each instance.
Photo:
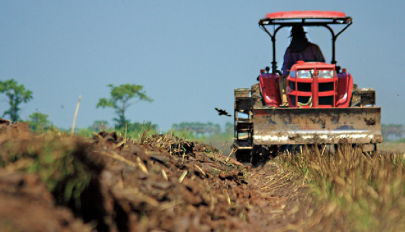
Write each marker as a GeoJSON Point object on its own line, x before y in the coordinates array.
{"type": "Point", "coordinates": [392, 146]}
{"type": "Point", "coordinates": [352, 191]}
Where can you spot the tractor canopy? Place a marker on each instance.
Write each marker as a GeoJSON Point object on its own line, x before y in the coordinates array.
{"type": "Point", "coordinates": [332, 17]}
{"type": "Point", "coordinates": [305, 18]}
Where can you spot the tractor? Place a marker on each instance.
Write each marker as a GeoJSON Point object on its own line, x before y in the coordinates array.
{"type": "Point", "coordinates": [323, 107]}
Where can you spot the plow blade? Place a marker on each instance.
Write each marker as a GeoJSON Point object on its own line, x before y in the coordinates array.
{"type": "Point", "coordinates": [282, 126]}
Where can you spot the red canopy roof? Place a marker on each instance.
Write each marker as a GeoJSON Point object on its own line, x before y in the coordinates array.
{"type": "Point", "coordinates": [315, 14]}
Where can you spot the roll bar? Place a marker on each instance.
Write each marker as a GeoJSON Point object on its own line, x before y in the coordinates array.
{"type": "Point", "coordinates": [286, 22]}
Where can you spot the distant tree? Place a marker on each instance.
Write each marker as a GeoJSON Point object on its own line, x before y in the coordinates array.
{"type": "Point", "coordinates": [120, 100]}
{"type": "Point", "coordinates": [100, 126]}
{"type": "Point", "coordinates": [136, 127]}
{"type": "Point", "coordinates": [39, 122]}
{"type": "Point", "coordinates": [209, 127]}
{"type": "Point", "coordinates": [229, 127]}
{"type": "Point", "coordinates": [176, 127]}
{"type": "Point", "coordinates": [216, 129]}
{"type": "Point", "coordinates": [16, 94]}
{"type": "Point", "coordinates": [394, 130]}
{"type": "Point", "coordinates": [198, 128]}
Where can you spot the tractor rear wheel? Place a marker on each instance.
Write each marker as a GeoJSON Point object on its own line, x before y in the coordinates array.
{"type": "Point", "coordinates": [243, 156]}
{"type": "Point", "coordinates": [261, 154]}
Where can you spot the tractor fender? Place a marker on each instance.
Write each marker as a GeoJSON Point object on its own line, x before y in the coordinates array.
{"type": "Point", "coordinates": [269, 86]}
{"type": "Point", "coordinates": [345, 87]}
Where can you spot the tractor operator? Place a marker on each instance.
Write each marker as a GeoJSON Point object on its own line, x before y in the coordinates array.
{"type": "Point", "coordinates": [300, 49]}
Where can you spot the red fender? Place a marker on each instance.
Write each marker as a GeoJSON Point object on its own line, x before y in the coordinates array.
{"type": "Point", "coordinates": [345, 87]}
{"type": "Point", "coordinates": [269, 87]}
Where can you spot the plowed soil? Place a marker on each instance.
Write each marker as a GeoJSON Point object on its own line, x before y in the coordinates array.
{"type": "Point", "coordinates": [158, 183]}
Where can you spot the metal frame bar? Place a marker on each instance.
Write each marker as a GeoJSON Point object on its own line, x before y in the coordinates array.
{"type": "Point", "coordinates": [267, 22]}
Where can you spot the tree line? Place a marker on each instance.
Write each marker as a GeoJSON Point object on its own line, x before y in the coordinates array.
{"type": "Point", "coordinates": [392, 131]}
{"type": "Point", "coordinates": [121, 98]}
{"type": "Point", "coordinates": [199, 128]}
{"type": "Point", "coordinates": [17, 94]}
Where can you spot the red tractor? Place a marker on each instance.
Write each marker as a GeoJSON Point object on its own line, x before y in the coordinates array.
{"type": "Point", "coordinates": [324, 107]}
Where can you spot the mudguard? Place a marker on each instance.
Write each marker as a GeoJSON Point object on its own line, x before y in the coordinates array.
{"type": "Point", "coordinates": [345, 87]}
{"type": "Point", "coordinates": [269, 87]}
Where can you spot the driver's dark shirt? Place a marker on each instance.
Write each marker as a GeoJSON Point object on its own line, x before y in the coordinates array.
{"type": "Point", "coordinates": [311, 53]}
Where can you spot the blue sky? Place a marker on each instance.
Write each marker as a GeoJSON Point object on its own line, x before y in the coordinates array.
{"type": "Point", "coordinates": [188, 55]}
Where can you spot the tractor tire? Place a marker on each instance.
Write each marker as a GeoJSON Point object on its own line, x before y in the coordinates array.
{"type": "Point", "coordinates": [243, 156]}
{"type": "Point", "coordinates": [262, 154]}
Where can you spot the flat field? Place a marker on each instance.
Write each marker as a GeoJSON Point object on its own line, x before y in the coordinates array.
{"type": "Point", "coordinates": [58, 182]}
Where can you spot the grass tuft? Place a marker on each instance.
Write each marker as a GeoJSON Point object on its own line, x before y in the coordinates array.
{"type": "Point", "coordinates": [367, 188]}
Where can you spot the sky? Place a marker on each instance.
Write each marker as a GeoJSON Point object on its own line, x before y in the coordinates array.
{"type": "Point", "coordinates": [188, 55]}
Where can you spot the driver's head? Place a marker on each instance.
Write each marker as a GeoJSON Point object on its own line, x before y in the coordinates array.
{"type": "Point", "coordinates": [297, 31]}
